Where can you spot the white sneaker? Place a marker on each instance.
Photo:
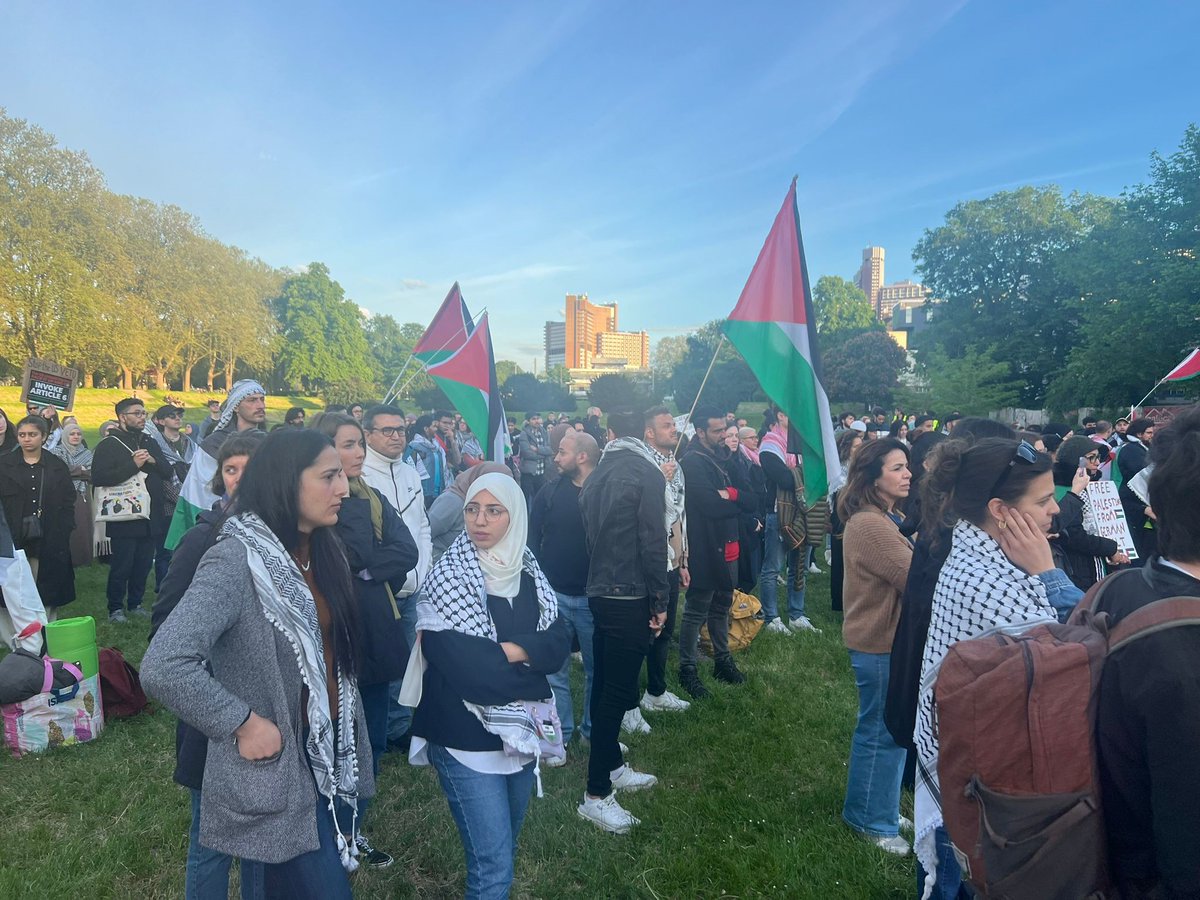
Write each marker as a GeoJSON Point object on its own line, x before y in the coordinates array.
{"type": "Point", "coordinates": [803, 624]}
{"type": "Point", "coordinates": [906, 824]}
{"type": "Point", "coordinates": [666, 702]}
{"type": "Point", "coordinates": [626, 779]}
{"type": "Point", "coordinates": [814, 569]}
{"type": "Point", "coordinates": [607, 814]}
{"type": "Point", "coordinates": [776, 625]}
{"type": "Point", "coordinates": [555, 762]}
{"type": "Point", "coordinates": [895, 845]}
{"type": "Point", "coordinates": [634, 723]}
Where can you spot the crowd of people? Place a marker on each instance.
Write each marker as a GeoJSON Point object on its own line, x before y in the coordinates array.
{"type": "Point", "coordinates": [368, 582]}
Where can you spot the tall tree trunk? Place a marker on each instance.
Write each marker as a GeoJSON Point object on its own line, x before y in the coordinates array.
{"type": "Point", "coordinates": [229, 374]}
{"type": "Point", "coordinates": [212, 371]}
{"type": "Point", "coordinates": [89, 379]}
{"type": "Point", "coordinates": [126, 378]}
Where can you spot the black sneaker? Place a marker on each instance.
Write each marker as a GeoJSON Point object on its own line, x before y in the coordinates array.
{"type": "Point", "coordinates": [725, 670]}
{"type": "Point", "coordinates": [689, 680]}
{"type": "Point", "coordinates": [370, 857]}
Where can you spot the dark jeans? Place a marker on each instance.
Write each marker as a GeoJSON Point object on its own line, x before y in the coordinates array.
{"type": "Point", "coordinates": [949, 884]}
{"type": "Point", "coordinates": [128, 570]}
{"type": "Point", "coordinates": [656, 660]}
{"type": "Point", "coordinates": [619, 644]}
{"type": "Point", "coordinates": [208, 870]}
{"type": "Point", "coordinates": [316, 875]}
{"type": "Point", "coordinates": [706, 605]}
{"type": "Point", "coordinates": [375, 700]}
{"type": "Point", "coordinates": [162, 562]}
{"type": "Point", "coordinates": [530, 485]}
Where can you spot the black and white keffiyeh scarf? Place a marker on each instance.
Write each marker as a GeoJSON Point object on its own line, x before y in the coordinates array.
{"type": "Point", "coordinates": [289, 606]}
{"type": "Point", "coordinates": [979, 592]}
{"type": "Point", "coordinates": [455, 599]}
{"type": "Point", "coordinates": [239, 392]}
{"type": "Point", "coordinates": [675, 499]}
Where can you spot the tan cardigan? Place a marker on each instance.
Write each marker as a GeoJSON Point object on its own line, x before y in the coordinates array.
{"type": "Point", "coordinates": [877, 558]}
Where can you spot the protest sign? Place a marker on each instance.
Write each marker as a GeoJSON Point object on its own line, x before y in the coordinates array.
{"type": "Point", "coordinates": [49, 384]}
{"type": "Point", "coordinates": [1105, 516]}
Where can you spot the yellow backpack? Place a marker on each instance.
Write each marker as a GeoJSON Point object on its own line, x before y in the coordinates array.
{"type": "Point", "coordinates": [744, 623]}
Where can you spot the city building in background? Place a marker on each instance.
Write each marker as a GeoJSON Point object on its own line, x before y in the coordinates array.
{"type": "Point", "coordinates": [589, 344]}
{"type": "Point", "coordinates": [870, 277]}
{"type": "Point", "coordinates": [556, 344]}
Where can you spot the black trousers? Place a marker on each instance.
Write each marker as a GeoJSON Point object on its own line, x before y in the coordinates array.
{"type": "Point", "coordinates": [656, 660]}
{"type": "Point", "coordinates": [128, 570]}
{"type": "Point", "coordinates": [620, 642]}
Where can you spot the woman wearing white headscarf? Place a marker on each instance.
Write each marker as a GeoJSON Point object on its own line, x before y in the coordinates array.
{"type": "Point", "coordinates": [73, 450]}
{"type": "Point", "coordinates": [488, 635]}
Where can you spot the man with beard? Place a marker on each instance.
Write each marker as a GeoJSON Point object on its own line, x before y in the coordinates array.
{"type": "Point", "coordinates": [119, 457]}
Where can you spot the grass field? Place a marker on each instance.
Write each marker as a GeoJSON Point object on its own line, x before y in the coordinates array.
{"type": "Point", "coordinates": [748, 802]}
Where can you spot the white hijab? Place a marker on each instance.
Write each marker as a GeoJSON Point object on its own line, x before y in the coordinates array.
{"type": "Point", "coordinates": [501, 564]}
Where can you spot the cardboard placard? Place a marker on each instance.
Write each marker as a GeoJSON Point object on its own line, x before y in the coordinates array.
{"type": "Point", "coordinates": [1106, 517]}
{"type": "Point", "coordinates": [49, 384]}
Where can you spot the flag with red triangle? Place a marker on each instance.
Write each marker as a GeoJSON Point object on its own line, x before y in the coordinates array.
{"type": "Point", "coordinates": [468, 379]}
{"type": "Point", "coordinates": [1189, 368]}
{"type": "Point", "coordinates": [449, 330]}
{"type": "Point", "coordinates": [775, 330]}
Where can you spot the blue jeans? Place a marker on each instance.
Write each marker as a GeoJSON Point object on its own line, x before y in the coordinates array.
{"type": "Point", "coordinates": [399, 717]}
{"type": "Point", "coordinates": [375, 701]}
{"type": "Point", "coordinates": [488, 810]}
{"type": "Point", "coordinates": [876, 762]}
{"type": "Point", "coordinates": [578, 617]}
{"type": "Point", "coordinates": [208, 870]}
{"type": "Point", "coordinates": [949, 884]}
{"type": "Point", "coordinates": [316, 875]}
{"type": "Point", "coordinates": [793, 564]}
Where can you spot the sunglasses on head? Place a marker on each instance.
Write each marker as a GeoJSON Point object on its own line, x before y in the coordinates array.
{"type": "Point", "coordinates": [1025, 453]}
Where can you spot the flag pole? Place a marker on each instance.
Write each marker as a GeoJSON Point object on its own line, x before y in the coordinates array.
{"type": "Point", "coordinates": [418, 372]}
{"type": "Point", "coordinates": [404, 368]}
{"type": "Point", "coordinates": [1147, 397]}
{"type": "Point", "coordinates": [700, 390]}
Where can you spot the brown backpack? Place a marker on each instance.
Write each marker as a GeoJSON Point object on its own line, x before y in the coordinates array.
{"type": "Point", "coordinates": [1017, 762]}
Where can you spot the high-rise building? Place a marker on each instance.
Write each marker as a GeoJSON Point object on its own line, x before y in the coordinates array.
{"type": "Point", "coordinates": [586, 320]}
{"type": "Point", "coordinates": [870, 277]}
{"type": "Point", "coordinates": [556, 344]}
{"type": "Point", "coordinates": [900, 292]}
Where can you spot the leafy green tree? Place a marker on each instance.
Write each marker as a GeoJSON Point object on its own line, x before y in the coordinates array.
{"type": "Point", "coordinates": [506, 368]}
{"type": "Point", "coordinates": [522, 391]}
{"type": "Point", "coordinates": [975, 384]}
{"type": "Point", "coordinates": [840, 305]}
{"type": "Point", "coordinates": [864, 369]}
{"type": "Point", "coordinates": [323, 338]}
{"type": "Point", "coordinates": [668, 353]}
{"type": "Point", "coordinates": [731, 381]}
{"type": "Point", "coordinates": [617, 391]}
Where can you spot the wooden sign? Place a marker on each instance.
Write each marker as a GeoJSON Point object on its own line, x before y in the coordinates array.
{"type": "Point", "coordinates": [49, 384]}
{"type": "Point", "coordinates": [1106, 516]}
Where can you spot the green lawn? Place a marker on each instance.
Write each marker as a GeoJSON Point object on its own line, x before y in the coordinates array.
{"type": "Point", "coordinates": [748, 801]}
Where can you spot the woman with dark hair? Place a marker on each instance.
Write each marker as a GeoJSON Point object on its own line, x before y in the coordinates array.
{"type": "Point", "coordinates": [999, 577]}
{"type": "Point", "coordinates": [488, 637]}
{"type": "Point", "coordinates": [8, 434]}
{"type": "Point", "coordinates": [381, 553]}
{"type": "Point", "coordinates": [1084, 556]}
{"type": "Point", "coordinates": [207, 873]}
{"type": "Point", "coordinates": [73, 450]}
{"type": "Point", "coordinates": [877, 558]}
{"type": "Point", "coordinates": [38, 498]}
{"type": "Point", "coordinates": [898, 430]}
{"type": "Point", "coordinates": [271, 610]}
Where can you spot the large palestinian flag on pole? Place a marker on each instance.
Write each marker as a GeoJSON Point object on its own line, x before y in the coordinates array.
{"type": "Point", "coordinates": [468, 379]}
{"type": "Point", "coordinates": [775, 330]}
{"type": "Point", "coordinates": [1189, 368]}
{"type": "Point", "coordinates": [449, 330]}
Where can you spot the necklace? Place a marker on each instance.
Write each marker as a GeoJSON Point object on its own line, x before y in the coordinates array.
{"type": "Point", "coordinates": [304, 566]}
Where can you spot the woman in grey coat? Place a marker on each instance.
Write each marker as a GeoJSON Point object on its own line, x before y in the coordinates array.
{"type": "Point", "coordinates": [271, 609]}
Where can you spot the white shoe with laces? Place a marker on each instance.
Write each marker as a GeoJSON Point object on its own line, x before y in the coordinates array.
{"type": "Point", "coordinates": [776, 626]}
{"type": "Point", "coordinates": [626, 779]}
{"type": "Point", "coordinates": [665, 702]}
{"type": "Point", "coordinates": [633, 722]}
{"type": "Point", "coordinates": [607, 813]}
{"type": "Point", "coordinates": [803, 624]}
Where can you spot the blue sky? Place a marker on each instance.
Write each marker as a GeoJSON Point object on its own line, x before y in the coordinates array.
{"type": "Point", "coordinates": [634, 151]}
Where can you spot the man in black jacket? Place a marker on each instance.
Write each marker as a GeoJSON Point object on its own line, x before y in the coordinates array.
{"type": "Point", "coordinates": [118, 458]}
{"type": "Point", "coordinates": [713, 507]}
{"type": "Point", "coordinates": [624, 511]}
{"type": "Point", "coordinates": [1147, 730]}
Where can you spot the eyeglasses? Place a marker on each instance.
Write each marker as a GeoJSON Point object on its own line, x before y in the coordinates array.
{"type": "Point", "coordinates": [491, 512]}
{"type": "Point", "coordinates": [390, 431]}
{"type": "Point", "coordinates": [1093, 457]}
{"type": "Point", "coordinates": [136, 413]}
{"type": "Point", "coordinates": [1025, 453]}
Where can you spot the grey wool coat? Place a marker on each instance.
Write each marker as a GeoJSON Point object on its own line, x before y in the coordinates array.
{"type": "Point", "coordinates": [264, 811]}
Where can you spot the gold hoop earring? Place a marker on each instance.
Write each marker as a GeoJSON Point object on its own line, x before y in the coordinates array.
{"type": "Point", "coordinates": [1002, 524]}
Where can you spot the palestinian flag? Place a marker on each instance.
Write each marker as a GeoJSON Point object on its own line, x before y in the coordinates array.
{"type": "Point", "coordinates": [1189, 368]}
{"type": "Point", "coordinates": [468, 379]}
{"type": "Point", "coordinates": [194, 497]}
{"type": "Point", "coordinates": [775, 330]}
{"type": "Point", "coordinates": [448, 331]}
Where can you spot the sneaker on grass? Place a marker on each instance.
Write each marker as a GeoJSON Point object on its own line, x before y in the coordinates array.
{"type": "Point", "coordinates": [803, 624]}
{"type": "Point", "coordinates": [140, 612]}
{"type": "Point", "coordinates": [625, 778]}
{"type": "Point", "coordinates": [555, 762]}
{"type": "Point", "coordinates": [776, 626]}
{"type": "Point", "coordinates": [369, 856]}
{"type": "Point", "coordinates": [118, 616]}
{"type": "Point", "coordinates": [895, 845]}
{"type": "Point", "coordinates": [689, 679]}
{"type": "Point", "coordinates": [814, 569]}
{"type": "Point", "coordinates": [634, 722]}
{"type": "Point", "coordinates": [665, 702]}
{"type": "Point", "coordinates": [607, 813]}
